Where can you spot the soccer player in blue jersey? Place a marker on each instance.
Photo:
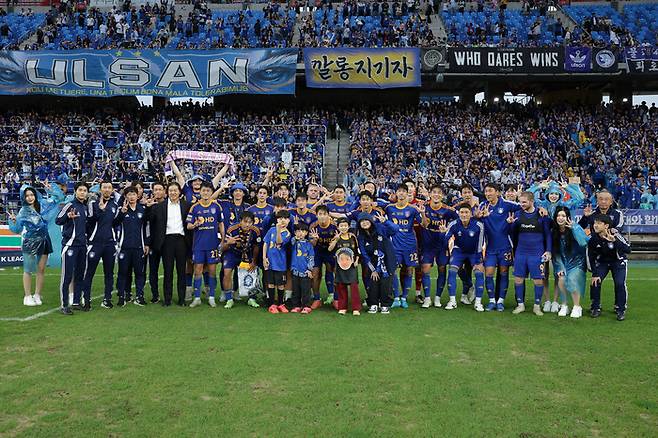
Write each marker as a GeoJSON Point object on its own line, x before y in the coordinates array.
{"type": "Point", "coordinates": [301, 214]}
{"type": "Point", "coordinates": [261, 210]}
{"type": "Point", "coordinates": [533, 248]}
{"type": "Point", "coordinates": [465, 274]}
{"type": "Point", "coordinates": [321, 234]}
{"type": "Point", "coordinates": [241, 245]}
{"type": "Point", "coordinates": [434, 244]}
{"type": "Point", "coordinates": [206, 220]}
{"type": "Point", "coordinates": [275, 261]}
{"type": "Point", "coordinates": [339, 205]}
{"type": "Point", "coordinates": [469, 240]}
{"type": "Point", "coordinates": [233, 209]}
{"type": "Point", "coordinates": [404, 242]}
{"type": "Point", "coordinates": [499, 254]}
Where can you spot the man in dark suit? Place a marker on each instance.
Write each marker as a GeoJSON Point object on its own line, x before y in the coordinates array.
{"type": "Point", "coordinates": [172, 240]}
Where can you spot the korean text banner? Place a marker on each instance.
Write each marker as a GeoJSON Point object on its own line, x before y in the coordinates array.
{"type": "Point", "coordinates": [635, 221]}
{"type": "Point", "coordinates": [642, 60]}
{"type": "Point", "coordinates": [362, 68]}
{"type": "Point", "coordinates": [165, 73]}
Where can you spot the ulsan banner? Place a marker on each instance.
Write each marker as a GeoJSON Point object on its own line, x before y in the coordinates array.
{"type": "Point", "coordinates": [362, 68]}
{"type": "Point", "coordinates": [165, 73]}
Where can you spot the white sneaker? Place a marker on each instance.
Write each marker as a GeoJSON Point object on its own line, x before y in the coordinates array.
{"type": "Point", "coordinates": [576, 312]}
{"type": "Point", "coordinates": [547, 306]}
{"type": "Point", "coordinates": [196, 302]}
{"type": "Point", "coordinates": [29, 301]}
{"type": "Point", "coordinates": [437, 301]}
{"type": "Point", "coordinates": [520, 308]}
{"type": "Point", "coordinates": [211, 302]}
{"type": "Point", "coordinates": [536, 309]}
{"type": "Point", "coordinates": [189, 293]}
{"type": "Point", "coordinates": [452, 304]}
{"type": "Point", "coordinates": [564, 310]}
{"type": "Point", "coordinates": [373, 309]}
{"type": "Point", "coordinates": [471, 294]}
{"type": "Point", "coordinates": [466, 300]}
{"type": "Point", "coordinates": [555, 307]}
{"type": "Point", "coordinates": [478, 307]}
{"type": "Point", "coordinates": [37, 299]}
{"type": "Point", "coordinates": [427, 302]}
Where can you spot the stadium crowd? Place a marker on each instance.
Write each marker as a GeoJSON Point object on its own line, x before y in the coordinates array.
{"type": "Point", "coordinates": [606, 147]}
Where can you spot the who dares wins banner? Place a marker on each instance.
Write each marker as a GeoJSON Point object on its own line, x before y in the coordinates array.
{"type": "Point", "coordinates": [166, 73]}
{"type": "Point", "coordinates": [362, 68]}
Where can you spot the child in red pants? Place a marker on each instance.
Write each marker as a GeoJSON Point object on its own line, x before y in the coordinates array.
{"type": "Point", "coordinates": [346, 250]}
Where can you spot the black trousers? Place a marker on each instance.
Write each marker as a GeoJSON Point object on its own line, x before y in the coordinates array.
{"type": "Point", "coordinates": [154, 267]}
{"type": "Point", "coordinates": [174, 252]}
{"type": "Point", "coordinates": [618, 270]}
{"type": "Point", "coordinates": [301, 291]}
{"type": "Point", "coordinates": [379, 292]}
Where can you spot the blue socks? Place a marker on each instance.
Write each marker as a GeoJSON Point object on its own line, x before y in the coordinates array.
{"type": "Point", "coordinates": [539, 291]}
{"type": "Point", "coordinates": [329, 281]}
{"type": "Point", "coordinates": [504, 283]}
{"type": "Point", "coordinates": [479, 284]}
{"type": "Point", "coordinates": [489, 282]}
{"type": "Point", "coordinates": [188, 280]}
{"type": "Point", "coordinates": [206, 278]}
{"type": "Point", "coordinates": [452, 283]}
{"type": "Point", "coordinates": [212, 285]}
{"type": "Point", "coordinates": [427, 284]}
{"type": "Point", "coordinates": [396, 286]}
{"type": "Point", "coordinates": [519, 291]}
{"type": "Point", "coordinates": [440, 283]}
{"type": "Point", "coordinates": [197, 287]}
{"type": "Point", "coordinates": [406, 285]}
{"type": "Point", "coordinates": [228, 294]}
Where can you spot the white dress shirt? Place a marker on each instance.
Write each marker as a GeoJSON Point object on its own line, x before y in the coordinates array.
{"type": "Point", "coordinates": [174, 219]}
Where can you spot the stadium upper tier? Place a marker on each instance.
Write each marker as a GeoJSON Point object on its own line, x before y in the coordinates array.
{"type": "Point", "coordinates": [363, 24]}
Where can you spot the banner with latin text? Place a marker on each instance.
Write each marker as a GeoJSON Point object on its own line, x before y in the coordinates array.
{"type": "Point", "coordinates": [362, 68]}
{"type": "Point", "coordinates": [505, 60]}
{"type": "Point", "coordinates": [165, 73]}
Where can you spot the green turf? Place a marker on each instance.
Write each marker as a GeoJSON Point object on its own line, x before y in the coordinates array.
{"type": "Point", "coordinates": [210, 372]}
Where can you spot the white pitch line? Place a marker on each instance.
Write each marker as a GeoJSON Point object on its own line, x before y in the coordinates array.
{"type": "Point", "coordinates": [40, 314]}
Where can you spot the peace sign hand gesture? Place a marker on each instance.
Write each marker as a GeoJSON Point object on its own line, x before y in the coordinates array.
{"type": "Point", "coordinates": [124, 208]}
{"type": "Point", "coordinates": [442, 227]}
{"type": "Point", "coordinates": [511, 218]}
{"type": "Point", "coordinates": [72, 214]}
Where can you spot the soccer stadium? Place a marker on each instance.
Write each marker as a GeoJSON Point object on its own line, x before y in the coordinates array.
{"type": "Point", "coordinates": [328, 218]}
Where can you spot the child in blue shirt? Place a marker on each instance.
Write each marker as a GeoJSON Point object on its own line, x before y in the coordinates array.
{"type": "Point", "coordinates": [275, 261]}
{"type": "Point", "coordinates": [301, 267]}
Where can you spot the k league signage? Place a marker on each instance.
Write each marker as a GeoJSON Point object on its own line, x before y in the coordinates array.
{"type": "Point", "coordinates": [166, 73]}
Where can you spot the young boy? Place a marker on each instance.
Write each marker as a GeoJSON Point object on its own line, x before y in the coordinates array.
{"type": "Point", "coordinates": [607, 252]}
{"type": "Point", "coordinates": [275, 261]}
{"type": "Point", "coordinates": [133, 246]}
{"type": "Point", "coordinates": [321, 232]}
{"type": "Point", "coordinates": [240, 247]}
{"type": "Point", "coordinates": [301, 266]}
{"type": "Point", "coordinates": [206, 219]}
{"type": "Point", "coordinates": [346, 251]}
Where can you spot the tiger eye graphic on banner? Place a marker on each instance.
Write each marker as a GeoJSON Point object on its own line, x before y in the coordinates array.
{"type": "Point", "coordinates": [362, 68]}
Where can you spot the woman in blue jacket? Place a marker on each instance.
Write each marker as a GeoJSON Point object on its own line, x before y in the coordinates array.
{"type": "Point", "coordinates": [32, 221]}
{"type": "Point", "coordinates": [377, 251]}
{"type": "Point", "coordinates": [569, 260]}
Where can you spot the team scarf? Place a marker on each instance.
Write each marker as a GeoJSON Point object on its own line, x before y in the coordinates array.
{"type": "Point", "coordinates": [217, 157]}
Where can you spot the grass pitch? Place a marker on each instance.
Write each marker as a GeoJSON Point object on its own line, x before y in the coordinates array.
{"type": "Point", "coordinates": [214, 372]}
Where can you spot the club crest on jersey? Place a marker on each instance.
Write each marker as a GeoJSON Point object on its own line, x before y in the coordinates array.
{"type": "Point", "coordinates": [500, 210]}
{"type": "Point", "coordinates": [459, 233]}
{"type": "Point", "coordinates": [213, 210]}
{"type": "Point", "coordinates": [92, 254]}
{"type": "Point", "coordinates": [139, 215]}
{"type": "Point", "coordinates": [121, 255]}
{"type": "Point", "coordinates": [114, 210]}
{"type": "Point", "coordinates": [69, 253]}
{"type": "Point", "coordinates": [611, 245]}
{"type": "Point", "coordinates": [471, 233]}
